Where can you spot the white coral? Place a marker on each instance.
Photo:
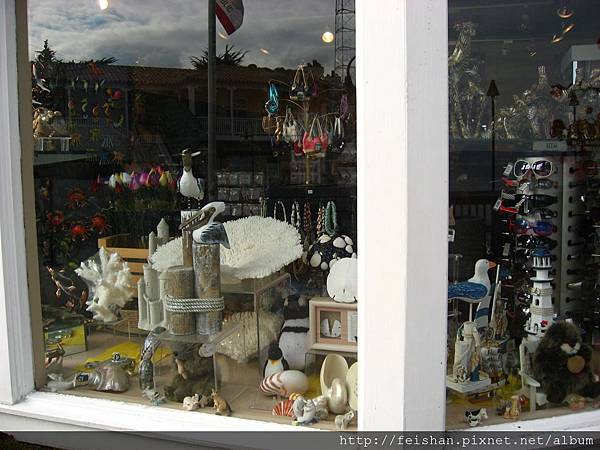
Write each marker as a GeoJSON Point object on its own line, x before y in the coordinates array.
{"type": "Point", "coordinates": [111, 283]}
{"type": "Point", "coordinates": [167, 255]}
{"type": "Point", "coordinates": [260, 246]}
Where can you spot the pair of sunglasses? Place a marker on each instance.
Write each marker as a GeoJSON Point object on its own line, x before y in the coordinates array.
{"type": "Point", "coordinates": [541, 168]}
{"type": "Point", "coordinates": [536, 241]}
{"type": "Point", "coordinates": [538, 228]}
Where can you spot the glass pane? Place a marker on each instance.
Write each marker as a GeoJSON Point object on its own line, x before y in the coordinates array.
{"type": "Point", "coordinates": [197, 233]}
{"type": "Point", "coordinates": [524, 83]}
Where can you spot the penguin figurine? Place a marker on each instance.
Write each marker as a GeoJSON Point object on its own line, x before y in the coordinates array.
{"type": "Point", "coordinates": [189, 186]}
{"type": "Point", "coordinates": [275, 362]}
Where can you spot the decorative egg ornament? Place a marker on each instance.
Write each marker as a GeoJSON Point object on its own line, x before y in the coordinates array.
{"type": "Point", "coordinates": [327, 250]}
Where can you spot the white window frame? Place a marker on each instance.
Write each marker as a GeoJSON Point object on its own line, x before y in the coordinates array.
{"type": "Point", "coordinates": [402, 238]}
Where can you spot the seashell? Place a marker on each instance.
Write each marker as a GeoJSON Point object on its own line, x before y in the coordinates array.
{"type": "Point", "coordinates": [338, 396]}
{"type": "Point", "coordinates": [284, 408]}
{"type": "Point", "coordinates": [334, 366]}
{"type": "Point", "coordinates": [315, 260]}
{"type": "Point", "coordinates": [285, 383]}
{"type": "Point", "coordinates": [352, 386]}
{"type": "Point", "coordinates": [339, 242]}
{"type": "Point", "coordinates": [342, 280]}
{"type": "Point", "coordinates": [324, 238]}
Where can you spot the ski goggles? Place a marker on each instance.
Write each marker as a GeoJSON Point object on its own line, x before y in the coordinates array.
{"type": "Point", "coordinates": [541, 168]}
{"type": "Point", "coordinates": [538, 228]}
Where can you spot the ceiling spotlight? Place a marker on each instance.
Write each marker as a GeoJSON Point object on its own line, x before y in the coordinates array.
{"type": "Point", "coordinates": [327, 37]}
{"type": "Point", "coordinates": [103, 4]}
{"type": "Point", "coordinates": [222, 35]}
{"type": "Point", "coordinates": [557, 38]}
{"type": "Point", "coordinates": [564, 13]}
{"type": "Point", "coordinates": [265, 51]}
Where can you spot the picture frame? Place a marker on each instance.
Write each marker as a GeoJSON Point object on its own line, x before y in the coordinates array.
{"type": "Point", "coordinates": [333, 326]}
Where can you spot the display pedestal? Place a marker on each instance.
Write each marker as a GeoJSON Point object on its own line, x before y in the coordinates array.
{"type": "Point", "coordinates": [469, 387]}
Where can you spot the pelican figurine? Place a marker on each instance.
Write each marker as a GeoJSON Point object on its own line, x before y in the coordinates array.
{"type": "Point", "coordinates": [475, 290]}
{"type": "Point", "coordinates": [211, 232]}
{"type": "Point", "coordinates": [189, 186]}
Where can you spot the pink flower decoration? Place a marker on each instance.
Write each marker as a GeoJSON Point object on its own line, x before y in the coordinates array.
{"type": "Point", "coordinates": [143, 180]}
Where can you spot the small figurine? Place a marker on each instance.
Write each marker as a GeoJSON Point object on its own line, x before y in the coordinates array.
{"type": "Point", "coordinates": [575, 402]}
{"type": "Point", "coordinates": [513, 408]}
{"type": "Point", "coordinates": [275, 362]}
{"type": "Point", "coordinates": [321, 407]}
{"type": "Point", "coordinates": [475, 416]}
{"type": "Point", "coordinates": [342, 420]}
{"type": "Point", "coordinates": [191, 403]}
{"type": "Point", "coordinates": [221, 406]}
{"type": "Point", "coordinates": [188, 185]}
{"type": "Point", "coordinates": [204, 401]}
{"type": "Point", "coordinates": [304, 411]}
{"type": "Point", "coordinates": [156, 399]}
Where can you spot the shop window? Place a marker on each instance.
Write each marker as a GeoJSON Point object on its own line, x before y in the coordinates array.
{"type": "Point", "coordinates": [524, 84]}
{"type": "Point", "coordinates": [179, 272]}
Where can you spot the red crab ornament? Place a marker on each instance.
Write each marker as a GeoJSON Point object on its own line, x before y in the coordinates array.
{"type": "Point", "coordinates": [100, 223]}
{"type": "Point", "coordinates": [76, 198]}
{"type": "Point", "coordinates": [56, 219]}
{"type": "Point", "coordinates": [79, 232]}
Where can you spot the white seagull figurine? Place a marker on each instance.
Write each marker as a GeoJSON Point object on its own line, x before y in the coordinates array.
{"type": "Point", "coordinates": [189, 186]}
{"type": "Point", "coordinates": [475, 290]}
{"type": "Point", "coordinates": [213, 232]}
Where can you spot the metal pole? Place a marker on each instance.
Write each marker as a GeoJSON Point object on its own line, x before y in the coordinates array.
{"type": "Point", "coordinates": [212, 97]}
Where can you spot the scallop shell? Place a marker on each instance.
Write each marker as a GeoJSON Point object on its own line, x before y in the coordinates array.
{"type": "Point", "coordinates": [285, 383]}
{"type": "Point", "coordinates": [284, 408]}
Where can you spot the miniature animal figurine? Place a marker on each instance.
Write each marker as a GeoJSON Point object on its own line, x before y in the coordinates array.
{"type": "Point", "coordinates": [304, 411]}
{"type": "Point", "coordinates": [156, 399]}
{"type": "Point", "coordinates": [204, 401]}
{"type": "Point", "coordinates": [513, 408]}
{"type": "Point", "coordinates": [342, 420]}
{"type": "Point", "coordinates": [475, 416]}
{"type": "Point", "coordinates": [321, 407]}
{"type": "Point", "coordinates": [189, 186]}
{"type": "Point", "coordinates": [475, 290]}
{"type": "Point", "coordinates": [191, 403]}
{"type": "Point", "coordinates": [221, 406]}
{"type": "Point", "coordinates": [275, 362]}
{"type": "Point", "coordinates": [562, 364]}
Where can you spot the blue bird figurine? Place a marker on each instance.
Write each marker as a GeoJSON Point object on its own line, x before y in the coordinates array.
{"type": "Point", "coordinates": [475, 290]}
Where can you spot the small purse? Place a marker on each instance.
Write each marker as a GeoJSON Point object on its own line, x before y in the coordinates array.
{"type": "Point", "coordinates": [322, 139]}
{"type": "Point", "coordinates": [299, 88]}
{"type": "Point", "coordinates": [337, 142]}
{"type": "Point", "coordinates": [309, 140]}
{"type": "Point", "coordinates": [269, 124]}
{"type": "Point", "coordinates": [272, 105]}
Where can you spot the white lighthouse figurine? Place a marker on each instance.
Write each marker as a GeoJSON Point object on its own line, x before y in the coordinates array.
{"type": "Point", "coordinates": [541, 308]}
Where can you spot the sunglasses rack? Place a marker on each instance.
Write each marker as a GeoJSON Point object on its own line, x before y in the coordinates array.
{"type": "Point", "coordinates": [572, 252]}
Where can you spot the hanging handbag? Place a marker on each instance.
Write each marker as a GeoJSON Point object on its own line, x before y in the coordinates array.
{"type": "Point", "coordinates": [337, 142]}
{"type": "Point", "coordinates": [309, 140]}
{"type": "Point", "coordinates": [298, 90]}
{"type": "Point", "coordinates": [344, 110]}
{"type": "Point", "coordinates": [322, 139]}
{"type": "Point", "coordinates": [290, 134]}
{"type": "Point", "coordinates": [269, 124]}
{"type": "Point", "coordinates": [272, 105]}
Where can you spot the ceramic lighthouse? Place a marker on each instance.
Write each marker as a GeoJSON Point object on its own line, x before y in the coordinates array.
{"type": "Point", "coordinates": [541, 308]}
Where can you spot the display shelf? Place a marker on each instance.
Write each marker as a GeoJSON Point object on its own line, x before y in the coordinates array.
{"type": "Point", "coordinates": [239, 387]}
{"type": "Point", "coordinates": [48, 157]}
{"type": "Point", "coordinates": [228, 330]}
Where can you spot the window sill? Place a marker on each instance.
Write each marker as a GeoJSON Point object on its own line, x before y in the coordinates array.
{"type": "Point", "coordinates": [72, 413]}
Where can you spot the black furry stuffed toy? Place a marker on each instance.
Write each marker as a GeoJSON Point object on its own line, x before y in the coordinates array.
{"type": "Point", "coordinates": [562, 364]}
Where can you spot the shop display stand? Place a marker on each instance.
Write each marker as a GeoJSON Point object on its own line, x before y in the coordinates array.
{"type": "Point", "coordinates": [256, 288]}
